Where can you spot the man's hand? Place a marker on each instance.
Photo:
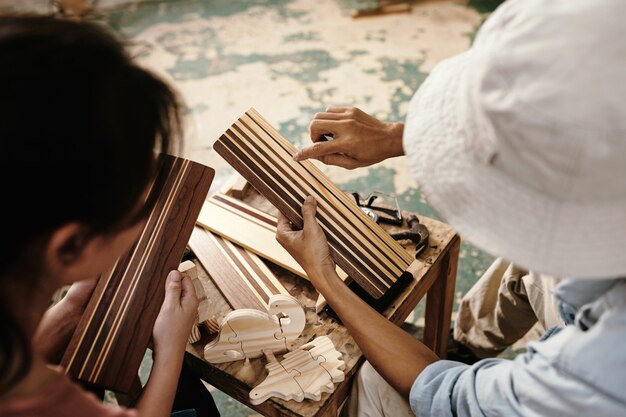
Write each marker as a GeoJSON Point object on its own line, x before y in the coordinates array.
{"type": "Point", "coordinates": [358, 139]}
{"type": "Point", "coordinates": [177, 316]}
{"type": "Point", "coordinates": [308, 246]}
{"type": "Point", "coordinates": [378, 338]}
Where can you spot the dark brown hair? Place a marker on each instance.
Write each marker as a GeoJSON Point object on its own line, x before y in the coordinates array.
{"type": "Point", "coordinates": [80, 125]}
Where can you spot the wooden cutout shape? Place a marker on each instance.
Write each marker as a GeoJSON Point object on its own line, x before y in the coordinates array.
{"type": "Point", "coordinates": [189, 269]}
{"type": "Point", "coordinates": [246, 333]}
{"type": "Point", "coordinates": [303, 373]}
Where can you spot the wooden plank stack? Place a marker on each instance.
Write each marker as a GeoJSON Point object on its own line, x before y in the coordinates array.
{"type": "Point", "coordinates": [358, 245]}
{"type": "Point", "coordinates": [241, 276]}
{"type": "Point", "coordinates": [114, 332]}
{"type": "Point", "coordinates": [248, 227]}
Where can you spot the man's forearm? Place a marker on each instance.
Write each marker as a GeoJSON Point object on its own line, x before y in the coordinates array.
{"type": "Point", "coordinates": [396, 355]}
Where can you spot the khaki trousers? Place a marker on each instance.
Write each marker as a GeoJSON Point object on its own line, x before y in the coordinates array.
{"type": "Point", "coordinates": [504, 305]}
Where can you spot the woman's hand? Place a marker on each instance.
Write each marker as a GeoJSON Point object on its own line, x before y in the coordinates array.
{"type": "Point", "coordinates": [171, 330]}
{"type": "Point", "coordinates": [177, 316]}
{"type": "Point", "coordinates": [358, 139]}
{"type": "Point", "coordinates": [79, 294]}
{"type": "Point", "coordinates": [59, 322]}
{"type": "Point", "coordinates": [308, 246]}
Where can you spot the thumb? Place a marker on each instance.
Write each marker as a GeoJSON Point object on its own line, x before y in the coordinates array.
{"type": "Point", "coordinates": [173, 288]}
{"type": "Point", "coordinates": [188, 297]}
{"type": "Point", "coordinates": [317, 150]}
{"type": "Point", "coordinates": [309, 208]}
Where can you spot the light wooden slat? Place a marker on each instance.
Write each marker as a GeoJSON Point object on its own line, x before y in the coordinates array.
{"type": "Point", "coordinates": [113, 334]}
{"type": "Point", "coordinates": [250, 228]}
{"type": "Point", "coordinates": [241, 276]}
{"type": "Point", "coordinates": [359, 246]}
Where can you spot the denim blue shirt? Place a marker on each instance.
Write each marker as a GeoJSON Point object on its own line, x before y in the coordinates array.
{"type": "Point", "coordinates": [579, 370]}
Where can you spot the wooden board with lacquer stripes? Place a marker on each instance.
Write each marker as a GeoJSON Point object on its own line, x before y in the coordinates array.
{"type": "Point", "coordinates": [240, 275]}
{"type": "Point", "coordinates": [114, 332]}
{"type": "Point", "coordinates": [358, 245]}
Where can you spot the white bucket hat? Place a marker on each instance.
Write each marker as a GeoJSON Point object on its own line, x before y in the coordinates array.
{"type": "Point", "coordinates": [520, 143]}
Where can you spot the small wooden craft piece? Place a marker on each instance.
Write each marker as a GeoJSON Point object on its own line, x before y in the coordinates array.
{"type": "Point", "coordinates": [241, 276]}
{"type": "Point", "coordinates": [236, 187]}
{"type": "Point", "coordinates": [359, 246]}
{"type": "Point", "coordinates": [189, 269]}
{"type": "Point", "coordinates": [246, 333]}
{"type": "Point", "coordinates": [211, 325]}
{"type": "Point", "coordinates": [194, 336]}
{"type": "Point", "coordinates": [303, 373]}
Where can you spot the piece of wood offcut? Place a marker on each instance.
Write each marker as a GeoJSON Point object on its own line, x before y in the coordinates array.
{"type": "Point", "coordinates": [113, 333]}
{"type": "Point", "coordinates": [241, 276]}
{"type": "Point", "coordinates": [359, 246]}
{"type": "Point", "coordinates": [252, 229]}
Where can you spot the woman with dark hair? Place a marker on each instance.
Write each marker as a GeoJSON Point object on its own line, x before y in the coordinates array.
{"type": "Point", "coordinates": [81, 125]}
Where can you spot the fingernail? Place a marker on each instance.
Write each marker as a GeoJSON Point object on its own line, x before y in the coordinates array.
{"type": "Point", "coordinates": [309, 199]}
{"type": "Point", "coordinates": [296, 156]}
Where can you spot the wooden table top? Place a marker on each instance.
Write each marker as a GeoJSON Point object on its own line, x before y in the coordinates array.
{"type": "Point", "coordinates": [237, 382]}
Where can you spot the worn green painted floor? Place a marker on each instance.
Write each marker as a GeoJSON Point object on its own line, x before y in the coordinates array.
{"type": "Point", "coordinates": [290, 59]}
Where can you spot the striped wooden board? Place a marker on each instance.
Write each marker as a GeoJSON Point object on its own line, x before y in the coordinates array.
{"type": "Point", "coordinates": [113, 334]}
{"type": "Point", "coordinates": [248, 227]}
{"type": "Point", "coordinates": [358, 245]}
{"type": "Point", "coordinates": [241, 276]}
{"type": "Point", "coordinates": [252, 229]}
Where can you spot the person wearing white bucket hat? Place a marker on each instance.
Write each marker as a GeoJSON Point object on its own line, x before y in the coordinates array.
{"type": "Point", "coordinates": [518, 143]}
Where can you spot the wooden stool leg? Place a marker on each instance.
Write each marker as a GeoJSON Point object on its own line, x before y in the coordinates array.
{"type": "Point", "coordinates": [439, 301]}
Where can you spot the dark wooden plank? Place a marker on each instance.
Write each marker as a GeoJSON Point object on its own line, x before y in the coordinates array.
{"type": "Point", "coordinates": [359, 246]}
{"type": "Point", "coordinates": [113, 334]}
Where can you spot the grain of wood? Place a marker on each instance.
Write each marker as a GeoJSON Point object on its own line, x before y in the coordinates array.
{"type": "Point", "coordinates": [358, 245]}
{"type": "Point", "coordinates": [247, 333]}
{"type": "Point", "coordinates": [241, 276]}
{"type": "Point", "coordinates": [113, 333]}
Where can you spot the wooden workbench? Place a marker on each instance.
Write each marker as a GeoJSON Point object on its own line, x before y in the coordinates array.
{"type": "Point", "coordinates": [437, 279]}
